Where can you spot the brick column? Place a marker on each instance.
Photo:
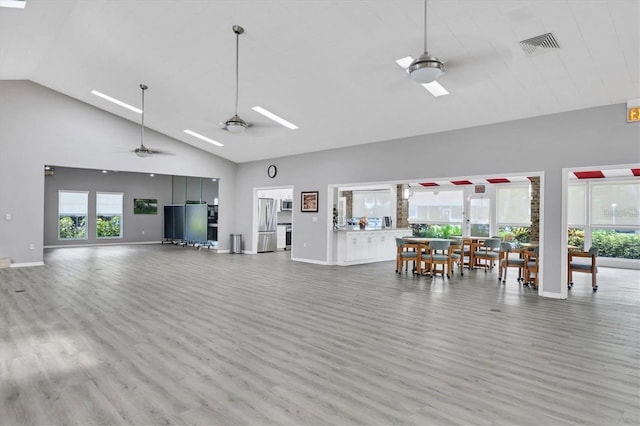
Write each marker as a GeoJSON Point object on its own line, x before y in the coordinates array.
{"type": "Point", "coordinates": [535, 208]}
{"type": "Point", "coordinates": [402, 207]}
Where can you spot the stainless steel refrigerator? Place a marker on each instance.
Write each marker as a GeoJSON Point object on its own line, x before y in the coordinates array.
{"type": "Point", "coordinates": [267, 224]}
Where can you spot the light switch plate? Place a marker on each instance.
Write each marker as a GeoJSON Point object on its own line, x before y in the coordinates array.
{"type": "Point", "coordinates": [7, 216]}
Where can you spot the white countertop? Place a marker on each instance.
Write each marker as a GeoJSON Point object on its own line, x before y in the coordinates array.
{"type": "Point", "coordinates": [357, 229]}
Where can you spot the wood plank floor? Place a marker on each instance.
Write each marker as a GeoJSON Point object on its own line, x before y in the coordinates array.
{"type": "Point", "coordinates": [159, 334]}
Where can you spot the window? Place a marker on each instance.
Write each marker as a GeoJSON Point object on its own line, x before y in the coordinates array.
{"type": "Point", "coordinates": [109, 215]}
{"type": "Point", "coordinates": [371, 203]}
{"type": "Point", "coordinates": [72, 215]}
{"type": "Point", "coordinates": [479, 216]}
{"type": "Point", "coordinates": [576, 205]}
{"type": "Point", "coordinates": [436, 207]}
{"type": "Point", "coordinates": [605, 215]}
{"type": "Point", "coordinates": [514, 205]}
{"type": "Point", "coordinates": [514, 212]}
{"type": "Point", "coordinates": [615, 204]}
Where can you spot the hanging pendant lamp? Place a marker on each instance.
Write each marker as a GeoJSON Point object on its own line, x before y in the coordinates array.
{"type": "Point", "coordinates": [426, 68]}
{"type": "Point", "coordinates": [236, 124]}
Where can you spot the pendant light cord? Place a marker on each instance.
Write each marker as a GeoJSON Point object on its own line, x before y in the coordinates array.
{"type": "Point", "coordinates": [425, 26]}
{"type": "Point", "coordinates": [237, 61]}
{"type": "Point", "coordinates": [142, 127]}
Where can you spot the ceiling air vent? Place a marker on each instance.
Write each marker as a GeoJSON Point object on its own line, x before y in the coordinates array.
{"type": "Point", "coordinates": [546, 41]}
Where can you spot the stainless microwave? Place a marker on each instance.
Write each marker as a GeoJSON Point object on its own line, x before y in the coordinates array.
{"type": "Point", "coordinates": [287, 205]}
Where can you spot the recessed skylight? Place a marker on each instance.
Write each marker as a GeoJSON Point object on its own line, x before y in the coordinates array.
{"type": "Point", "coordinates": [116, 101]}
{"type": "Point", "coordinates": [15, 4]}
{"type": "Point", "coordinates": [204, 138]}
{"type": "Point", "coordinates": [274, 117]}
{"type": "Point", "coordinates": [436, 89]}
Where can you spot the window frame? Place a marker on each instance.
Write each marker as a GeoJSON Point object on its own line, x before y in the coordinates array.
{"type": "Point", "coordinates": [98, 215]}
{"type": "Point", "coordinates": [86, 215]}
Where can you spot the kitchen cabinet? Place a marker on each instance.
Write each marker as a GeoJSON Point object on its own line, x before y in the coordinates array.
{"type": "Point", "coordinates": [367, 246]}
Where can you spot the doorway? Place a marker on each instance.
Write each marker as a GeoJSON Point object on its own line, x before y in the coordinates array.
{"type": "Point", "coordinates": [283, 204]}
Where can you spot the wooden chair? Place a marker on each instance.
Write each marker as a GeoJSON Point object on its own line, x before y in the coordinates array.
{"type": "Point", "coordinates": [531, 267]}
{"type": "Point", "coordinates": [465, 251]}
{"type": "Point", "coordinates": [407, 252]}
{"type": "Point", "coordinates": [437, 253]}
{"type": "Point", "coordinates": [507, 261]}
{"type": "Point", "coordinates": [487, 253]}
{"type": "Point", "coordinates": [589, 267]}
{"type": "Point", "coordinates": [456, 254]}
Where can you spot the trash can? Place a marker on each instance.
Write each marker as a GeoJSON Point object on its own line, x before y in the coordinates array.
{"type": "Point", "coordinates": [236, 243]}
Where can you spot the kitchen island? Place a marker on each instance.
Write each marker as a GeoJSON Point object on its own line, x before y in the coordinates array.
{"type": "Point", "coordinates": [357, 246]}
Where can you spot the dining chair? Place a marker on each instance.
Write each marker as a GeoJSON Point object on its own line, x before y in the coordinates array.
{"type": "Point", "coordinates": [487, 253]}
{"type": "Point", "coordinates": [579, 265]}
{"type": "Point", "coordinates": [508, 261]}
{"type": "Point", "coordinates": [531, 267]}
{"type": "Point", "coordinates": [407, 252]}
{"type": "Point", "coordinates": [456, 255]}
{"type": "Point", "coordinates": [465, 252]}
{"type": "Point", "coordinates": [437, 253]}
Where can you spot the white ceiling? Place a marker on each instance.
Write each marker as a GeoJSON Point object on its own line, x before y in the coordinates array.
{"type": "Point", "coordinates": [327, 66]}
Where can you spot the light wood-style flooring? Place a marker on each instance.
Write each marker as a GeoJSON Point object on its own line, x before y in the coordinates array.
{"type": "Point", "coordinates": [160, 334]}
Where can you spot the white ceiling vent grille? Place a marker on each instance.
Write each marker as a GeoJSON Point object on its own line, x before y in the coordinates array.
{"type": "Point", "coordinates": [546, 41]}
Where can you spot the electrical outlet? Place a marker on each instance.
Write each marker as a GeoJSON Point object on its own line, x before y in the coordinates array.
{"type": "Point", "coordinates": [143, 232]}
{"type": "Point", "coordinates": [7, 216]}
{"type": "Point", "coordinates": [32, 246]}
{"type": "Point", "coordinates": [304, 244]}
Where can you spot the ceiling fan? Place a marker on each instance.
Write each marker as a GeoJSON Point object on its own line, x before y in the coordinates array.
{"type": "Point", "coordinates": [236, 124]}
{"type": "Point", "coordinates": [426, 68]}
{"type": "Point", "coordinates": [143, 151]}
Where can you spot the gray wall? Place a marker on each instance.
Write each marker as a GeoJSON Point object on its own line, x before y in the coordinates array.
{"type": "Point", "coordinates": [543, 145]}
{"type": "Point", "coordinates": [136, 227]}
{"type": "Point", "coordinates": [39, 126]}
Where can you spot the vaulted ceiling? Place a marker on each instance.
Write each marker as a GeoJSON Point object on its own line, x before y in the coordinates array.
{"type": "Point", "coordinates": [327, 66]}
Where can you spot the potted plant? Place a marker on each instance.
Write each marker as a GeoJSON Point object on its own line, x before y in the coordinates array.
{"type": "Point", "coordinates": [363, 222]}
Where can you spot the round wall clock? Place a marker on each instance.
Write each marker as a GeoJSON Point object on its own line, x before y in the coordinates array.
{"type": "Point", "coordinates": [272, 171]}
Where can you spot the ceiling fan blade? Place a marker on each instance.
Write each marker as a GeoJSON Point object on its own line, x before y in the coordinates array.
{"type": "Point", "coordinates": [143, 151]}
{"type": "Point", "coordinates": [159, 152]}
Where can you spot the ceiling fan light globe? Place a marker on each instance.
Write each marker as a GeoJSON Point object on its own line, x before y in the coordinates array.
{"type": "Point", "coordinates": [426, 69]}
{"type": "Point", "coordinates": [235, 128]}
{"type": "Point", "coordinates": [142, 152]}
{"type": "Point", "coordinates": [236, 125]}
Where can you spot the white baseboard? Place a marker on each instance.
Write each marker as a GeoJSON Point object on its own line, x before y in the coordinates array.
{"type": "Point", "coordinates": [26, 264]}
{"type": "Point", "coordinates": [103, 244]}
{"type": "Point", "coordinates": [551, 295]}
{"type": "Point", "coordinates": [316, 262]}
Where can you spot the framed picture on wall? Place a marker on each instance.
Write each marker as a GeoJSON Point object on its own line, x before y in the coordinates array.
{"type": "Point", "coordinates": [309, 201]}
{"type": "Point", "coordinates": [145, 206]}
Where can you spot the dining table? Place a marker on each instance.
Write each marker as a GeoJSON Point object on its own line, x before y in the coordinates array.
{"type": "Point", "coordinates": [422, 241]}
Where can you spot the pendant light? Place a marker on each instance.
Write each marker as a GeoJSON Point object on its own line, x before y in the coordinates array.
{"type": "Point", "coordinates": [142, 151]}
{"type": "Point", "coordinates": [426, 68]}
{"type": "Point", "coordinates": [236, 124]}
